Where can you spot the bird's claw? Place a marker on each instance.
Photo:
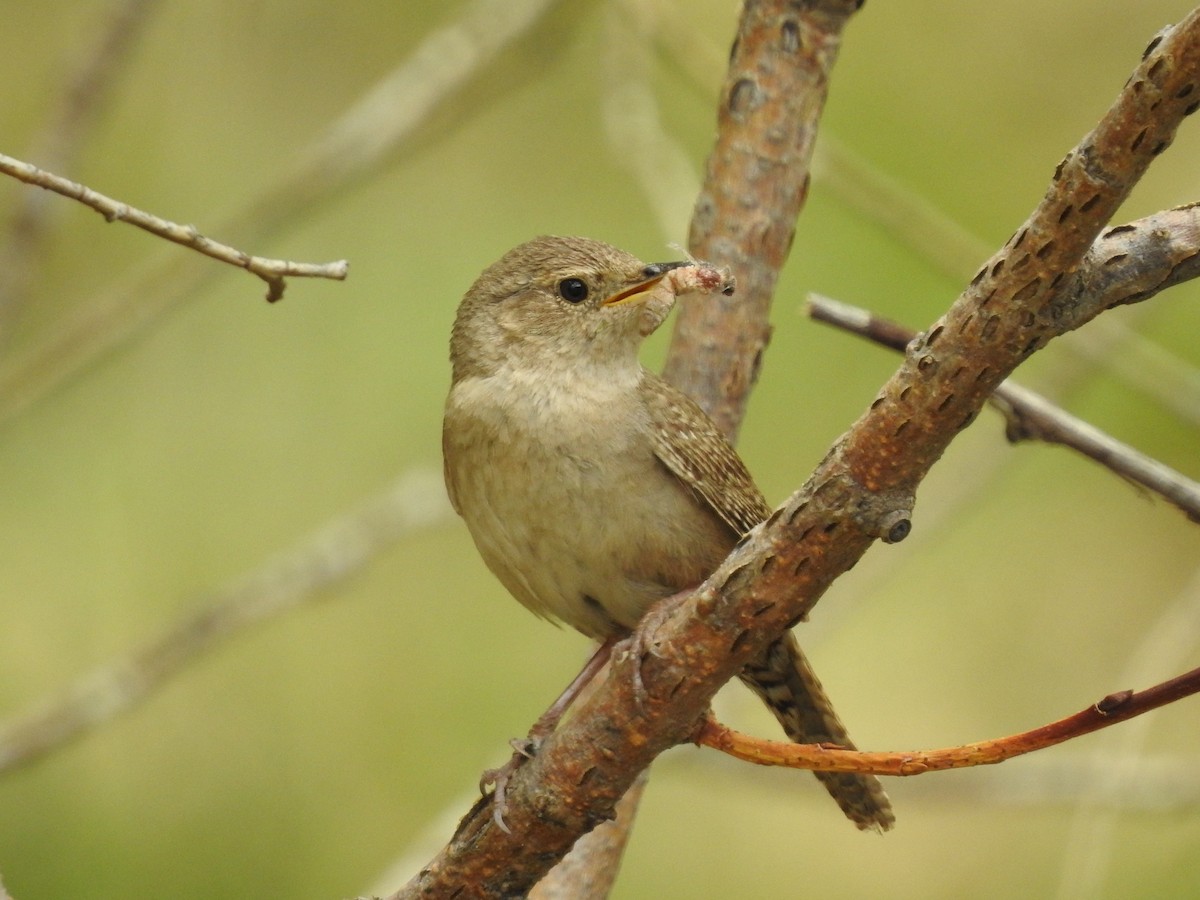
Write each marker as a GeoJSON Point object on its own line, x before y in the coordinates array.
{"type": "Point", "coordinates": [641, 643]}
{"type": "Point", "coordinates": [523, 749]}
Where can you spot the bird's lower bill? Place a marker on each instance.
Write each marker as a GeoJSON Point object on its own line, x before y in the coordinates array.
{"type": "Point", "coordinates": [634, 293]}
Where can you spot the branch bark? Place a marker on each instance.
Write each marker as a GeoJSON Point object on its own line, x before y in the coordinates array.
{"type": "Point", "coordinates": [1020, 300]}
{"type": "Point", "coordinates": [754, 188]}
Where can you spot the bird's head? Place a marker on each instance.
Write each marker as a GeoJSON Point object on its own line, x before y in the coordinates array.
{"type": "Point", "coordinates": [565, 302]}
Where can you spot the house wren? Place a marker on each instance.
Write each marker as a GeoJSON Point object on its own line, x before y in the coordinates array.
{"type": "Point", "coordinates": [592, 488]}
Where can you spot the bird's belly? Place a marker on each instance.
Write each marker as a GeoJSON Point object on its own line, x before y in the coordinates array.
{"type": "Point", "coordinates": [590, 538]}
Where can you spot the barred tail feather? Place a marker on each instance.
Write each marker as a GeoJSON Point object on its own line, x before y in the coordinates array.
{"type": "Point", "coordinates": [785, 681]}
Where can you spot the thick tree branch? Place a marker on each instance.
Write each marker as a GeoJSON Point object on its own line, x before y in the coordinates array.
{"type": "Point", "coordinates": [754, 188]}
{"type": "Point", "coordinates": [863, 490]}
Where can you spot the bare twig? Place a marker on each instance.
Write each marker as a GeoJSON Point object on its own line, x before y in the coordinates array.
{"type": "Point", "coordinates": [272, 271]}
{"type": "Point", "coordinates": [338, 550]}
{"type": "Point", "coordinates": [57, 146]}
{"type": "Point", "coordinates": [1031, 416]}
{"type": "Point", "coordinates": [815, 757]}
{"type": "Point", "coordinates": [379, 123]}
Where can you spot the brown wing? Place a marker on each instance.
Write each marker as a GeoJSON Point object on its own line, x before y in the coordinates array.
{"type": "Point", "coordinates": [693, 448]}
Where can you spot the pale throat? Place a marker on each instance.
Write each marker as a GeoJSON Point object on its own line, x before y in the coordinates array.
{"type": "Point", "coordinates": [560, 393]}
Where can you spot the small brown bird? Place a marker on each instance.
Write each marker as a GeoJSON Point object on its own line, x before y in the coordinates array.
{"type": "Point", "coordinates": [592, 488]}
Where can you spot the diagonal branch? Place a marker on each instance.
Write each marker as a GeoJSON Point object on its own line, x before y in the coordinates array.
{"type": "Point", "coordinates": [862, 491]}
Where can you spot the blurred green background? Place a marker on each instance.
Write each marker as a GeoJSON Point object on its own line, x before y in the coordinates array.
{"type": "Point", "coordinates": [305, 756]}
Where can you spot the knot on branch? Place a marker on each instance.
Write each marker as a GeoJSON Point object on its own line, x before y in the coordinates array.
{"type": "Point", "coordinates": [886, 515]}
{"type": "Point", "coordinates": [896, 526]}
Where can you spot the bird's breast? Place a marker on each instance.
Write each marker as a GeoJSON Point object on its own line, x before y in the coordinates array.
{"type": "Point", "coordinates": [567, 503]}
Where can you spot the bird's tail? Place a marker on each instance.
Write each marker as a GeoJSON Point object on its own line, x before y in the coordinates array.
{"type": "Point", "coordinates": [785, 681]}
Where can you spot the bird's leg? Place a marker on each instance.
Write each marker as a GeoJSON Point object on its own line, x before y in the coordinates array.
{"type": "Point", "coordinates": [548, 720]}
{"type": "Point", "coordinates": [525, 748]}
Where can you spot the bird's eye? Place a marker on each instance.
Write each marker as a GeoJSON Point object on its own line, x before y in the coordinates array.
{"type": "Point", "coordinates": [573, 290]}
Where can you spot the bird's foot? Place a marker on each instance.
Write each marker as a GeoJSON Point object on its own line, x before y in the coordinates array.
{"type": "Point", "coordinates": [641, 643]}
{"type": "Point", "coordinates": [497, 779]}
{"type": "Point", "coordinates": [527, 747]}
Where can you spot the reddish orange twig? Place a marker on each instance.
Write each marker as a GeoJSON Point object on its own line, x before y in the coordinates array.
{"type": "Point", "coordinates": [825, 758]}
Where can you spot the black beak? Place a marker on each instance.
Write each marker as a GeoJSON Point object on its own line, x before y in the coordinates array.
{"type": "Point", "coordinates": [658, 270]}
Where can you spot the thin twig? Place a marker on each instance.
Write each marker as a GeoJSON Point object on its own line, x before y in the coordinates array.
{"type": "Point", "coordinates": [336, 551]}
{"type": "Point", "coordinates": [822, 758]}
{"type": "Point", "coordinates": [379, 123]}
{"type": "Point", "coordinates": [1031, 416]}
{"type": "Point", "coordinates": [272, 271]}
